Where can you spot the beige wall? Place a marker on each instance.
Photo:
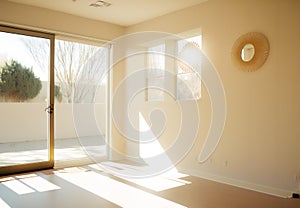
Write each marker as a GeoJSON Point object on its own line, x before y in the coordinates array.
{"type": "Point", "coordinates": [260, 143]}
{"type": "Point", "coordinates": [118, 142]}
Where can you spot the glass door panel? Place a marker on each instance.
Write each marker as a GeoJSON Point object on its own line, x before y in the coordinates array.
{"type": "Point", "coordinates": [26, 100]}
{"type": "Point", "coordinates": [80, 101]}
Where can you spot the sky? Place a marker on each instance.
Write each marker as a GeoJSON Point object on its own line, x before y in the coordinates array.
{"type": "Point", "coordinates": [12, 47]}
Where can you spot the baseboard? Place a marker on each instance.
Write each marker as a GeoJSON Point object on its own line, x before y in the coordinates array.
{"type": "Point", "coordinates": [238, 183]}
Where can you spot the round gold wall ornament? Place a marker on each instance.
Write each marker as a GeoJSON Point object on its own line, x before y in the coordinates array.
{"type": "Point", "coordinates": [250, 51]}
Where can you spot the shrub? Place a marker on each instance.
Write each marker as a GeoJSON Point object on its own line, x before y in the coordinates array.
{"type": "Point", "coordinates": [57, 93]}
{"type": "Point", "coordinates": [18, 82]}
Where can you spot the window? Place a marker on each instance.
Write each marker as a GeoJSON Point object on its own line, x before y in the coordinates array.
{"type": "Point", "coordinates": [88, 64]}
{"type": "Point", "coordinates": [156, 73]}
{"type": "Point", "coordinates": [189, 77]}
{"type": "Point", "coordinates": [81, 74]}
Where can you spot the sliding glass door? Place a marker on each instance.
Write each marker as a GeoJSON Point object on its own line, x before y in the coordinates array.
{"type": "Point", "coordinates": [81, 109]}
{"type": "Point", "coordinates": [26, 100]}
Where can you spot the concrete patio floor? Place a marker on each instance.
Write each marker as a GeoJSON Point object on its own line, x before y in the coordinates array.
{"type": "Point", "coordinates": [67, 152]}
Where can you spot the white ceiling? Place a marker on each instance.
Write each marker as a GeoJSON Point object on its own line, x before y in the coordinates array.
{"type": "Point", "coordinates": [121, 12]}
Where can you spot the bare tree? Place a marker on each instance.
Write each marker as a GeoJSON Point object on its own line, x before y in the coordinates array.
{"type": "Point", "coordinates": [92, 74]}
{"type": "Point", "coordinates": [78, 67]}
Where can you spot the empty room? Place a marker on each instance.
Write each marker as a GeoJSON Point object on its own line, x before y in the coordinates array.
{"type": "Point", "coordinates": [143, 104]}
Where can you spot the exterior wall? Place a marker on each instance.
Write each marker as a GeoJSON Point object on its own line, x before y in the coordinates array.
{"type": "Point", "coordinates": [28, 121]}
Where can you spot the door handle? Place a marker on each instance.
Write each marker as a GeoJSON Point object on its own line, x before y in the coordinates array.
{"type": "Point", "coordinates": [49, 109]}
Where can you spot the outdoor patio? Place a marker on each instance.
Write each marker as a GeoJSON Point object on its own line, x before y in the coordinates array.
{"type": "Point", "coordinates": [67, 152]}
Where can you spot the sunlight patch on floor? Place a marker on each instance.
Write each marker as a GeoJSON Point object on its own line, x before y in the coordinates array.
{"type": "Point", "coordinates": [3, 204]}
{"type": "Point", "coordinates": [30, 183]}
{"type": "Point", "coordinates": [117, 192]}
{"type": "Point", "coordinates": [39, 184]}
{"type": "Point", "coordinates": [168, 180]}
{"type": "Point", "coordinates": [18, 187]}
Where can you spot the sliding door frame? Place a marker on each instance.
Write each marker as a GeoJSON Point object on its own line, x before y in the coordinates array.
{"type": "Point", "coordinates": [50, 103]}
